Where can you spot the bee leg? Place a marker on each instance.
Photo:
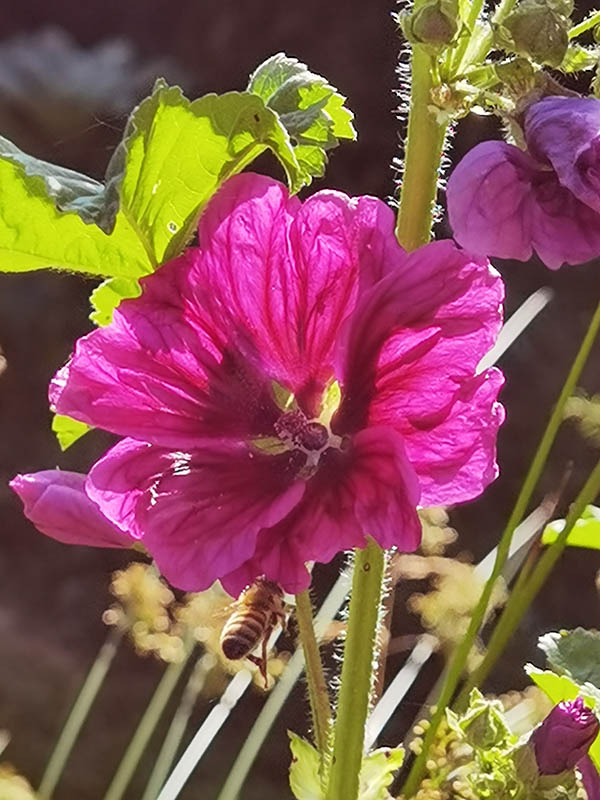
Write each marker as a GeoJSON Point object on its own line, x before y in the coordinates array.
{"type": "Point", "coordinates": [282, 618]}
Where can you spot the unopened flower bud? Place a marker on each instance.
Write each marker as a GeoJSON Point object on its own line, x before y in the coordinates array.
{"type": "Point", "coordinates": [435, 23]}
{"type": "Point", "coordinates": [564, 737]}
{"type": "Point", "coordinates": [539, 30]}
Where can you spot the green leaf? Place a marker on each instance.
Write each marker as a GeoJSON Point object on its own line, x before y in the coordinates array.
{"type": "Point", "coordinates": [106, 297]}
{"type": "Point", "coordinates": [586, 532]}
{"type": "Point", "coordinates": [313, 112]}
{"type": "Point", "coordinates": [305, 782]}
{"type": "Point", "coordinates": [377, 772]}
{"type": "Point", "coordinates": [70, 190]}
{"type": "Point", "coordinates": [176, 153]}
{"type": "Point", "coordinates": [35, 234]}
{"type": "Point", "coordinates": [578, 58]}
{"type": "Point", "coordinates": [68, 430]}
{"type": "Point", "coordinates": [574, 653]}
{"type": "Point", "coordinates": [561, 687]}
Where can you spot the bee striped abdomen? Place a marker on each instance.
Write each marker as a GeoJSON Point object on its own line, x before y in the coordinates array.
{"type": "Point", "coordinates": [243, 631]}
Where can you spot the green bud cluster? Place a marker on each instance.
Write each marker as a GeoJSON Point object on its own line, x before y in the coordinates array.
{"type": "Point", "coordinates": [538, 29]}
{"type": "Point", "coordinates": [435, 23]}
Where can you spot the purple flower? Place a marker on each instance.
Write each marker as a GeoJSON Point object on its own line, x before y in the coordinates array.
{"type": "Point", "coordinates": [238, 459]}
{"type": "Point", "coordinates": [564, 737]}
{"type": "Point", "coordinates": [506, 202]}
{"type": "Point", "coordinates": [56, 502]}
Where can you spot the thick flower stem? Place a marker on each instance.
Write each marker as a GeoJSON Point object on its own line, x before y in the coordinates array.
{"type": "Point", "coordinates": [523, 594]}
{"type": "Point", "coordinates": [460, 655]}
{"type": "Point", "coordinates": [79, 712]}
{"type": "Point", "coordinates": [424, 146]}
{"type": "Point", "coordinates": [357, 673]}
{"type": "Point", "coordinates": [145, 729]}
{"type": "Point", "coordinates": [315, 678]}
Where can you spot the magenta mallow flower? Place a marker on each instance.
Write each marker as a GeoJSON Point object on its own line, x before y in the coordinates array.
{"type": "Point", "coordinates": [564, 737]}
{"type": "Point", "coordinates": [293, 384]}
{"type": "Point", "coordinates": [508, 202]}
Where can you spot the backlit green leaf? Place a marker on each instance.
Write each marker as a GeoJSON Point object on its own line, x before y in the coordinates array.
{"type": "Point", "coordinates": [70, 190]}
{"type": "Point", "coordinates": [106, 297]}
{"type": "Point", "coordinates": [586, 532]}
{"type": "Point", "coordinates": [304, 770]}
{"type": "Point", "coordinates": [313, 112]}
{"type": "Point", "coordinates": [34, 234]}
{"type": "Point", "coordinates": [68, 430]}
{"type": "Point", "coordinates": [578, 58]}
{"type": "Point", "coordinates": [378, 771]}
{"type": "Point", "coordinates": [175, 154]}
{"type": "Point", "coordinates": [574, 653]}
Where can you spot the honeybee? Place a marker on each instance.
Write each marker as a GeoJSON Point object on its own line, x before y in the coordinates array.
{"type": "Point", "coordinates": [256, 612]}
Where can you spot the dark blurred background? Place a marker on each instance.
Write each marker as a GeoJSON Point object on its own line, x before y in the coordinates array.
{"type": "Point", "coordinates": [69, 72]}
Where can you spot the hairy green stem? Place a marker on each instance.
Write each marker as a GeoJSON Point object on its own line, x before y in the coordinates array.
{"type": "Point", "coordinates": [315, 677]}
{"type": "Point", "coordinates": [461, 653]}
{"type": "Point", "coordinates": [424, 146]}
{"type": "Point", "coordinates": [79, 713]}
{"type": "Point", "coordinates": [522, 596]}
{"type": "Point", "coordinates": [357, 673]}
{"type": "Point", "coordinates": [178, 726]}
{"type": "Point", "coordinates": [145, 728]}
{"type": "Point", "coordinates": [585, 25]}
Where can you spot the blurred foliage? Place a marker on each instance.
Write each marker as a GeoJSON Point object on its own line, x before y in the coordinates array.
{"type": "Point", "coordinates": [14, 786]}
{"type": "Point", "coordinates": [445, 611]}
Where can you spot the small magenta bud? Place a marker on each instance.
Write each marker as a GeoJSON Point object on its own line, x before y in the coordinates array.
{"type": "Point", "coordinates": [564, 737]}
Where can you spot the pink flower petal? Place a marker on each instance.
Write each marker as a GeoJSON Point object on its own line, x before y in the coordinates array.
{"type": "Point", "coordinates": [563, 229]}
{"type": "Point", "coordinates": [489, 194]}
{"type": "Point", "coordinates": [370, 490]}
{"type": "Point", "coordinates": [157, 375]}
{"type": "Point", "coordinates": [455, 458]}
{"type": "Point", "coordinates": [289, 273]}
{"type": "Point", "coordinates": [56, 503]}
{"type": "Point", "coordinates": [408, 359]}
{"type": "Point", "coordinates": [198, 515]}
{"type": "Point", "coordinates": [503, 203]}
{"type": "Point", "coordinates": [261, 299]}
{"type": "Point", "coordinates": [566, 132]}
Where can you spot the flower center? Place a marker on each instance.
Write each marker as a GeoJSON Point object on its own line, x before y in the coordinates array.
{"type": "Point", "coordinates": [307, 435]}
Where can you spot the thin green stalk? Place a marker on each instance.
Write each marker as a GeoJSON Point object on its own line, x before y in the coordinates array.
{"type": "Point", "coordinates": [461, 48]}
{"type": "Point", "coordinates": [357, 673]}
{"type": "Point", "coordinates": [145, 728]}
{"type": "Point", "coordinates": [424, 146]}
{"type": "Point", "coordinates": [79, 713]}
{"type": "Point", "coordinates": [178, 726]}
{"type": "Point", "coordinates": [523, 595]}
{"type": "Point", "coordinates": [478, 46]}
{"type": "Point", "coordinates": [585, 25]}
{"type": "Point", "coordinates": [461, 653]}
{"type": "Point", "coordinates": [315, 677]}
